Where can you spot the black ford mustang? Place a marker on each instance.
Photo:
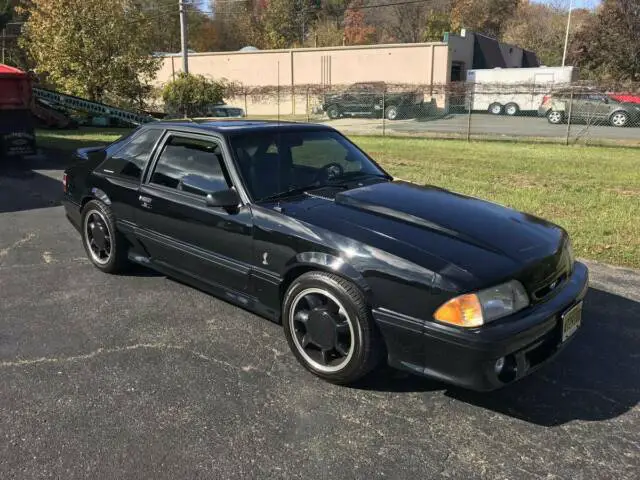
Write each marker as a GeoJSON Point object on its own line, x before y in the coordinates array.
{"type": "Point", "coordinates": [296, 223]}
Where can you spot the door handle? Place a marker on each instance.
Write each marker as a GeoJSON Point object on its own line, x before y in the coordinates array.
{"type": "Point", "coordinates": [145, 201]}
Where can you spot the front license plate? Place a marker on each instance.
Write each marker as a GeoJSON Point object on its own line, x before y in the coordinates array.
{"type": "Point", "coordinates": [571, 320]}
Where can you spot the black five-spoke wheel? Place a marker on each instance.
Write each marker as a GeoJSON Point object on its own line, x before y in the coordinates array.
{"type": "Point", "coordinates": [329, 327]}
{"type": "Point", "coordinates": [105, 246]}
{"type": "Point", "coordinates": [97, 237]}
{"type": "Point", "coordinates": [322, 329]}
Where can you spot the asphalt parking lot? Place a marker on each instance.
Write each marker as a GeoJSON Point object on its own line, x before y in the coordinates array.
{"type": "Point", "coordinates": [485, 125]}
{"type": "Point", "coordinates": [139, 376]}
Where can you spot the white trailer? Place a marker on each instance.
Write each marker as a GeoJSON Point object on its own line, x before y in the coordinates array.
{"type": "Point", "coordinates": [510, 91]}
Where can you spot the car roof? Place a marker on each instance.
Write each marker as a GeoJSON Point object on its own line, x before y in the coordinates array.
{"type": "Point", "coordinates": [237, 126]}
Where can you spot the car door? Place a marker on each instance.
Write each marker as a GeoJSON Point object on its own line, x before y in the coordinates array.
{"type": "Point", "coordinates": [175, 224]}
{"type": "Point", "coordinates": [117, 178]}
{"type": "Point", "coordinates": [595, 107]}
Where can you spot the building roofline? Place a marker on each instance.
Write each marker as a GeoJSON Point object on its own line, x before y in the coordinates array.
{"type": "Point", "coordinates": [312, 49]}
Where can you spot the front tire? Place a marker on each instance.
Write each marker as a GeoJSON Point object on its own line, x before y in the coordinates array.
{"type": "Point", "coordinates": [391, 112]}
{"type": "Point", "coordinates": [104, 245]}
{"type": "Point", "coordinates": [329, 328]}
{"type": "Point", "coordinates": [555, 117]}
{"type": "Point", "coordinates": [333, 112]}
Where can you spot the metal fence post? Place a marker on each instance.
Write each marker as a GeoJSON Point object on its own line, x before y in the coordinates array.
{"type": "Point", "coordinates": [569, 118]}
{"type": "Point", "coordinates": [384, 117]}
{"type": "Point", "coordinates": [308, 119]}
{"type": "Point", "coordinates": [246, 110]}
{"type": "Point", "coordinates": [470, 108]}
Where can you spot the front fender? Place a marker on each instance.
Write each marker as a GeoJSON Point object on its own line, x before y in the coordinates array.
{"type": "Point", "coordinates": [329, 263]}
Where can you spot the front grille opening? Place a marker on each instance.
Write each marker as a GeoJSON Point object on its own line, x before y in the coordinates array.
{"type": "Point", "coordinates": [550, 287]}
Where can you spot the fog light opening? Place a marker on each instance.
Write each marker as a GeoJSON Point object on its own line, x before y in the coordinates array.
{"type": "Point", "coordinates": [508, 368]}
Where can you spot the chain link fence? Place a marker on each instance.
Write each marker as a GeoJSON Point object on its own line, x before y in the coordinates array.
{"type": "Point", "coordinates": [563, 113]}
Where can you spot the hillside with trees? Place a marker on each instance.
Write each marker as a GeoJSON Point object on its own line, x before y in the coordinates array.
{"type": "Point", "coordinates": [103, 49]}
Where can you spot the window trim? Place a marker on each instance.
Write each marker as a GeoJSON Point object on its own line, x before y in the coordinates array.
{"type": "Point", "coordinates": [230, 169]}
{"type": "Point", "coordinates": [100, 170]}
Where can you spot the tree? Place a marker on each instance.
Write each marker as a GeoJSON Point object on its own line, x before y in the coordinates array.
{"type": "Point", "coordinates": [356, 30]}
{"type": "Point", "coordinates": [436, 25]}
{"type": "Point", "coordinates": [608, 45]}
{"type": "Point", "coordinates": [191, 94]}
{"type": "Point", "coordinates": [483, 16]}
{"type": "Point", "coordinates": [325, 33]}
{"type": "Point", "coordinates": [91, 48]}
{"type": "Point", "coordinates": [280, 23]}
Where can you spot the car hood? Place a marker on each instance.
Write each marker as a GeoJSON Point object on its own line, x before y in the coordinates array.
{"type": "Point", "coordinates": [462, 236]}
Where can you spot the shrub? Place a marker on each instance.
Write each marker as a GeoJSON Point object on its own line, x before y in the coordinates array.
{"type": "Point", "coordinates": [192, 95]}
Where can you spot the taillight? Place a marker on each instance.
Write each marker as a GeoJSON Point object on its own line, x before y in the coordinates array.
{"type": "Point", "coordinates": [545, 99]}
{"type": "Point", "coordinates": [65, 184]}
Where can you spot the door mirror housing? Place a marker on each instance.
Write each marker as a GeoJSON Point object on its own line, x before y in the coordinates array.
{"type": "Point", "coordinates": [223, 198]}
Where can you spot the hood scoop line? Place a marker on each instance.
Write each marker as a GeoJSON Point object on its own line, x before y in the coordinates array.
{"type": "Point", "coordinates": [377, 209]}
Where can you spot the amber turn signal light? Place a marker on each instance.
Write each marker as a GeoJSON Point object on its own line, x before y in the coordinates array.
{"type": "Point", "coordinates": [463, 311]}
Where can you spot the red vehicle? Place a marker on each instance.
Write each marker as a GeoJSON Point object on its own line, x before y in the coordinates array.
{"type": "Point", "coordinates": [17, 136]}
{"type": "Point", "coordinates": [626, 97]}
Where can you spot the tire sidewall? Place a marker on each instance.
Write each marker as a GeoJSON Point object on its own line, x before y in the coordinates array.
{"type": "Point", "coordinates": [333, 112]}
{"type": "Point", "coordinates": [96, 205]}
{"type": "Point", "coordinates": [618, 113]}
{"type": "Point", "coordinates": [513, 106]}
{"type": "Point", "coordinates": [552, 122]}
{"type": "Point", "coordinates": [491, 109]}
{"type": "Point", "coordinates": [317, 280]}
{"type": "Point", "coordinates": [391, 113]}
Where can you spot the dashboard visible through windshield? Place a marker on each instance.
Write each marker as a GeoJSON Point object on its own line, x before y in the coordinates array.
{"type": "Point", "coordinates": [274, 164]}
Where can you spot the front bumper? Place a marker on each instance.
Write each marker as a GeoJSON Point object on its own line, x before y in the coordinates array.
{"type": "Point", "coordinates": [467, 358]}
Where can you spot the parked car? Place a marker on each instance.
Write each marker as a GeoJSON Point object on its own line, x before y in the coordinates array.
{"type": "Point", "coordinates": [370, 99]}
{"type": "Point", "coordinates": [626, 97]}
{"type": "Point", "coordinates": [296, 223]}
{"type": "Point", "coordinates": [224, 111]}
{"type": "Point", "coordinates": [588, 105]}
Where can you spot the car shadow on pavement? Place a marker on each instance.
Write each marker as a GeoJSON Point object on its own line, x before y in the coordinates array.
{"type": "Point", "coordinates": [22, 188]}
{"type": "Point", "coordinates": [595, 378]}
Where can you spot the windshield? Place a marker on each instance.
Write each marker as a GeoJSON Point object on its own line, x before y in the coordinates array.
{"type": "Point", "coordinates": [275, 163]}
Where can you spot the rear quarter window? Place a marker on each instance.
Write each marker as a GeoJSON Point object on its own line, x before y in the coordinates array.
{"type": "Point", "coordinates": [130, 160]}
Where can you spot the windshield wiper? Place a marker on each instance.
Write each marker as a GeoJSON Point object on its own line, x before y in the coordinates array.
{"type": "Point", "coordinates": [291, 192]}
{"type": "Point", "coordinates": [351, 176]}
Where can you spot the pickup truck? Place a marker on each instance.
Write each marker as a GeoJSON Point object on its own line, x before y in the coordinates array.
{"type": "Point", "coordinates": [371, 99]}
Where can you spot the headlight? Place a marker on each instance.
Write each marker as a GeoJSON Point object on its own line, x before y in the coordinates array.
{"type": "Point", "coordinates": [476, 309]}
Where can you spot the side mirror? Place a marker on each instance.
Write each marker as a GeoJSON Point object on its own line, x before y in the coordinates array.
{"type": "Point", "coordinates": [223, 198]}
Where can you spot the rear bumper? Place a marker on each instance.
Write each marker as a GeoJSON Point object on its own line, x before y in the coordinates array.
{"type": "Point", "coordinates": [467, 357]}
{"type": "Point", "coordinates": [72, 211]}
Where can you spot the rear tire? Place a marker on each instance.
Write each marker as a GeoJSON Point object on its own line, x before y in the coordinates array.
{"type": "Point", "coordinates": [104, 245]}
{"type": "Point", "coordinates": [329, 328]}
{"type": "Point", "coordinates": [495, 109]}
{"type": "Point", "coordinates": [511, 109]}
{"type": "Point", "coordinates": [555, 117]}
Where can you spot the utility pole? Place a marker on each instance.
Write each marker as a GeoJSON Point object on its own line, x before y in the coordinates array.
{"type": "Point", "coordinates": [183, 36]}
{"type": "Point", "coordinates": [566, 37]}
{"type": "Point", "coordinates": [4, 36]}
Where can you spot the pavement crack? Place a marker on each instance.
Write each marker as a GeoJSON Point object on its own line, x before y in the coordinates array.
{"type": "Point", "coordinates": [107, 351]}
{"type": "Point", "coordinates": [5, 251]}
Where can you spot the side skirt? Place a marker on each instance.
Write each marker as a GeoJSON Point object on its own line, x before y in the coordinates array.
{"type": "Point", "coordinates": [243, 300]}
